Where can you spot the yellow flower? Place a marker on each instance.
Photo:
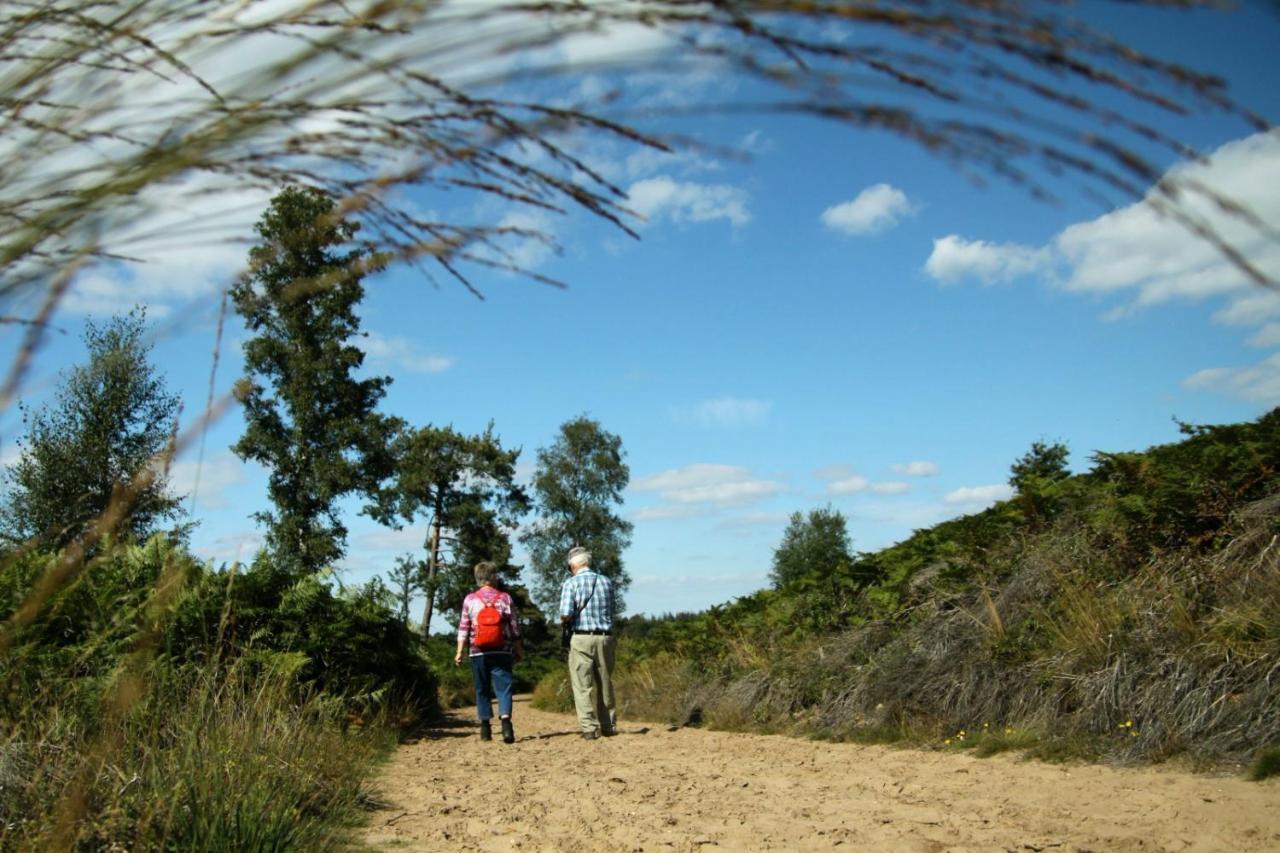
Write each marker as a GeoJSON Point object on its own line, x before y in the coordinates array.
{"type": "Point", "coordinates": [962, 733]}
{"type": "Point", "coordinates": [947, 741]}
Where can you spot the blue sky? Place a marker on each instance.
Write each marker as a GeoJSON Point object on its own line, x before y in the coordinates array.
{"type": "Point", "coordinates": [838, 319]}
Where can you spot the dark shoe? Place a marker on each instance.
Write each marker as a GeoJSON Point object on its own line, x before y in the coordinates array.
{"type": "Point", "coordinates": [508, 732]}
{"type": "Point", "coordinates": [486, 730]}
{"type": "Point", "coordinates": [591, 735]}
{"type": "Point", "coordinates": [608, 732]}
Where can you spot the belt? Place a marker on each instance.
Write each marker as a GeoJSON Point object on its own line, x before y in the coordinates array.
{"type": "Point", "coordinates": [595, 633]}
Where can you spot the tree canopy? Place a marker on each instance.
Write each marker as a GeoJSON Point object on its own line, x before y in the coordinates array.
{"type": "Point", "coordinates": [102, 438]}
{"type": "Point", "coordinates": [812, 546]}
{"type": "Point", "coordinates": [308, 419]}
{"type": "Point", "coordinates": [465, 485]}
{"type": "Point", "coordinates": [578, 481]}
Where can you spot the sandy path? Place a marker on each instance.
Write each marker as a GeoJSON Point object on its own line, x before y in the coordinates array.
{"type": "Point", "coordinates": [654, 789]}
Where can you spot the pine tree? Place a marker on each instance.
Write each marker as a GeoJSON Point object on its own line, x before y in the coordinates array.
{"type": "Point", "coordinates": [309, 420]}
{"type": "Point", "coordinates": [466, 486]}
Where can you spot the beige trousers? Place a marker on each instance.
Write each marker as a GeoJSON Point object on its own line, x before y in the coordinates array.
{"type": "Point", "coordinates": [591, 674]}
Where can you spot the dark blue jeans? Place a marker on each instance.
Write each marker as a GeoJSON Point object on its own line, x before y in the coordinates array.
{"type": "Point", "coordinates": [492, 674]}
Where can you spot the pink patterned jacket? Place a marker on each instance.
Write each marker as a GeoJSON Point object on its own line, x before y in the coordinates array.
{"type": "Point", "coordinates": [471, 607]}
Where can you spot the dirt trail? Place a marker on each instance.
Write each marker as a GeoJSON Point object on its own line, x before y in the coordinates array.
{"type": "Point", "coordinates": [654, 789]}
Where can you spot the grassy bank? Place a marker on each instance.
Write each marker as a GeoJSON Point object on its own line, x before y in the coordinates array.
{"type": "Point", "coordinates": [150, 703]}
{"type": "Point", "coordinates": [1131, 613]}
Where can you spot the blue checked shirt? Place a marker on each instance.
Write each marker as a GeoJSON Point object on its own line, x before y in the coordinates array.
{"type": "Point", "coordinates": [597, 613]}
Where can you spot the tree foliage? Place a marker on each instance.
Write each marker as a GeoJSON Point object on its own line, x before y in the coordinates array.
{"type": "Point", "coordinates": [465, 485]}
{"type": "Point", "coordinates": [405, 579]}
{"type": "Point", "coordinates": [1044, 463]}
{"type": "Point", "coordinates": [812, 546]}
{"type": "Point", "coordinates": [103, 437]}
{"type": "Point", "coordinates": [578, 481]}
{"type": "Point", "coordinates": [308, 419]}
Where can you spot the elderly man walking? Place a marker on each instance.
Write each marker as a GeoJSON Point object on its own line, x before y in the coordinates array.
{"type": "Point", "coordinates": [586, 607]}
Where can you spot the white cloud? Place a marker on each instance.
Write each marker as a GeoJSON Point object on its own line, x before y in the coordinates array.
{"type": "Point", "coordinates": [238, 547]}
{"type": "Point", "coordinates": [407, 538]}
{"type": "Point", "coordinates": [667, 513]}
{"type": "Point", "coordinates": [755, 519]}
{"type": "Point", "coordinates": [663, 198]}
{"type": "Point", "coordinates": [1267, 336]}
{"type": "Point", "coordinates": [725, 494]}
{"type": "Point", "coordinates": [730, 412]}
{"type": "Point", "coordinates": [919, 468]}
{"type": "Point", "coordinates": [697, 474]}
{"type": "Point", "coordinates": [217, 476]}
{"type": "Point", "coordinates": [755, 142]}
{"type": "Point", "coordinates": [1259, 383]}
{"type": "Point", "coordinates": [189, 239]}
{"type": "Point", "coordinates": [616, 43]}
{"type": "Point", "coordinates": [402, 353]}
{"type": "Point", "coordinates": [979, 495]}
{"type": "Point", "coordinates": [848, 485]}
{"type": "Point", "coordinates": [710, 484]}
{"type": "Point", "coordinates": [1250, 309]}
{"type": "Point", "coordinates": [954, 258]}
{"type": "Point", "coordinates": [534, 247]}
{"type": "Point", "coordinates": [1146, 256]}
{"type": "Point", "coordinates": [875, 209]}
{"type": "Point", "coordinates": [844, 480]}
{"type": "Point", "coordinates": [838, 471]}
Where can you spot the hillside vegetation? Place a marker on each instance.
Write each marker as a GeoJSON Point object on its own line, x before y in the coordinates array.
{"type": "Point", "coordinates": [1130, 613]}
{"type": "Point", "coordinates": [151, 703]}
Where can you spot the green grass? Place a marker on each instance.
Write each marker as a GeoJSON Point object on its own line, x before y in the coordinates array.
{"type": "Point", "coordinates": [238, 763]}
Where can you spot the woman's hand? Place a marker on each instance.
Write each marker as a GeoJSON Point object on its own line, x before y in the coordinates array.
{"type": "Point", "coordinates": [457, 658]}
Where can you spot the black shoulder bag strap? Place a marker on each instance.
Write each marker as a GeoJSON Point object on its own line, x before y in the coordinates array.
{"type": "Point", "coordinates": [566, 634]}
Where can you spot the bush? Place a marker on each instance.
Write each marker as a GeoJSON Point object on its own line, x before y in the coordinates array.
{"type": "Point", "coordinates": [1266, 764]}
{"type": "Point", "coordinates": [148, 703]}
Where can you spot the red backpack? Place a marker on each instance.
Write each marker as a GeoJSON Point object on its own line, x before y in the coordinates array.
{"type": "Point", "coordinates": [491, 634]}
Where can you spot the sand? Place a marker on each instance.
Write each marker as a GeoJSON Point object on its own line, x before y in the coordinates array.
{"type": "Point", "coordinates": [653, 789]}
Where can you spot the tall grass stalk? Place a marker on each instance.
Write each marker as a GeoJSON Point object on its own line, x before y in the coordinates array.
{"type": "Point", "coordinates": [201, 760]}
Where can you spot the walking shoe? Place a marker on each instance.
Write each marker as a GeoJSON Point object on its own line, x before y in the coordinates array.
{"type": "Point", "coordinates": [591, 735]}
{"type": "Point", "coordinates": [486, 730]}
{"type": "Point", "coordinates": [508, 732]}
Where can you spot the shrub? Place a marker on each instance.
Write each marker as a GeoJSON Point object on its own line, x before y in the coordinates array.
{"type": "Point", "coordinates": [1266, 764]}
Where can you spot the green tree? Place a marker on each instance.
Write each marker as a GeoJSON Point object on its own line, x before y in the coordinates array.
{"type": "Point", "coordinates": [812, 547]}
{"type": "Point", "coordinates": [102, 438]}
{"type": "Point", "coordinates": [466, 487]}
{"type": "Point", "coordinates": [1044, 463]}
{"type": "Point", "coordinates": [578, 481]}
{"type": "Point", "coordinates": [405, 580]}
{"type": "Point", "coordinates": [1033, 475]}
{"type": "Point", "coordinates": [477, 533]}
{"type": "Point", "coordinates": [308, 419]}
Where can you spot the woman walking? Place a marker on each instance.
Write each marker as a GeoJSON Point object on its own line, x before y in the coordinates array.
{"type": "Point", "coordinates": [490, 629]}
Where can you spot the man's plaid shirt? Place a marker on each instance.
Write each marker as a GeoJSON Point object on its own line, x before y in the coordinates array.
{"type": "Point", "coordinates": [597, 612]}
